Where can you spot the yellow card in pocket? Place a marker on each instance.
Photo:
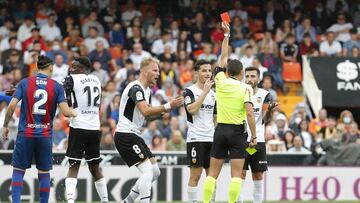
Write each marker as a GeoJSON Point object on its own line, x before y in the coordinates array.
{"type": "Point", "coordinates": [251, 150]}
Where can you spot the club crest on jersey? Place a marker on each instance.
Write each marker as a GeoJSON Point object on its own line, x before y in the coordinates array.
{"type": "Point", "coordinates": [187, 100]}
{"type": "Point", "coordinates": [193, 161]}
{"type": "Point", "coordinates": [141, 156]}
{"type": "Point", "coordinates": [139, 96]}
{"type": "Point", "coordinates": [258, 100]}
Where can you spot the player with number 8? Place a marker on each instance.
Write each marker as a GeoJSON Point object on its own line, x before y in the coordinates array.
{"type": "Point", "coordinates": [135, 107]}
{"type": "Point", "coordinates": [39, 96]}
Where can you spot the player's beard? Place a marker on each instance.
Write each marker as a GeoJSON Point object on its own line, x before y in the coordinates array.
{"type": "Point", "coordinates": [152, 81]}
{"type": "Point", "coordinates": [253, 85]}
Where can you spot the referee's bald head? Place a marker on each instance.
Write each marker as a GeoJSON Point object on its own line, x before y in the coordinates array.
{"type": "Point", "coordinates": [234, 67]}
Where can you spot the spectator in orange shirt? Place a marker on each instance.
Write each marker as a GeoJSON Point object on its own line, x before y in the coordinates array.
{"type": "Point", "coordinates": [186, 76]}
{"type": "Point", "coordinates": [74, 40]}
{"type": "Point", "coordinates": [317, 123]}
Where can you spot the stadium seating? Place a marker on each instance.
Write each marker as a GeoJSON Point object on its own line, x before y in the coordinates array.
{"type": "Point", "coordinates": [292, 72]}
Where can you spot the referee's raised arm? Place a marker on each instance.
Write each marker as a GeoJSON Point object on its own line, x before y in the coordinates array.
{"type": "Point", "coordinates": [225, 46]}
{"type": "Point", "coordinates": [234, 107]}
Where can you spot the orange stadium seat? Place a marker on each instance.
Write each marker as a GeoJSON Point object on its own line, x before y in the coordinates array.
{"type": "Point", "coordinates": [115, 52]}
{"type": "Point", "coordinates": [292, 72]}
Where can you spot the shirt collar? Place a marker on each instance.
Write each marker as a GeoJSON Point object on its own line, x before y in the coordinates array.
{"type": "Point", "coordinates": [41, 75]}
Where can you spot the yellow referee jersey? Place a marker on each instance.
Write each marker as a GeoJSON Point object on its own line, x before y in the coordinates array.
{"type": "Point", "coordinates": [231, 96]}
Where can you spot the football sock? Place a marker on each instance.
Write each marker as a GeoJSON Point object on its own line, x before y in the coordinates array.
{"type": "Point", "coordinates": [17, 185]}
{"type": "Point", "coordinates": [145, 181]}
{"type": "Point", "coordinates": [101, 189]}
{"type": "Point", "coordinates": [70, 185]}
{"type": "Point", "coordinates": [156, 172]}
{"type": "Point", "coordinates": [258, 191]}
{"type": "Point", "coordinates": [134, 192]}
{"type": "Point", "coordinates": [44, 187]}
{"type": "Point", "coordinates": [209, 188]}
{"type": "Point", "coordinates": [234, 189]}
{"type": "Point", "coordinates": [192, 194]}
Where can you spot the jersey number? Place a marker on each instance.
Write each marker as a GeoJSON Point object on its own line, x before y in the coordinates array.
{"type": "Point", "coordinates": [96, 99]}
{"type": "Point", "coordinates": [136, 149]}
{"type": "Point", "coordinates": [193, 152]}
{"type": "Point", "coordinates": [36, 107]}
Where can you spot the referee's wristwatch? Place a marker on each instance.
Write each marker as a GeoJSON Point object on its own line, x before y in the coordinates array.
{"type": "Point", "coordinates": [227, 35]}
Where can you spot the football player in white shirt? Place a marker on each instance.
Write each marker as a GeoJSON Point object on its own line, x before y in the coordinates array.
{"type": "Point", "coordinates": [263, 108]}
{"type": "Point", "coordinates": [83, 93]}
{"type": "Point", "coordinates": [135, 107]}
{"type": "Point", "coordinates": [200, 108]}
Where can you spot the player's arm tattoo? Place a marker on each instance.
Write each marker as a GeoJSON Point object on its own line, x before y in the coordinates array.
{"type": "Point", "coordinates": [268, 115]}
{"type": "Point", "coordinates": [269, 112]}
{"type": "Point", "coordinates": [9, 112]}
{"type": "Point", "coordinates": [8, 117]}
{"type": "Point", "coordinates": [155, 117]}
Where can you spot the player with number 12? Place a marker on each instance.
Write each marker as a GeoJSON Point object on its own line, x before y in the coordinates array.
{"type": "Point", "coordinates": [83, 93]}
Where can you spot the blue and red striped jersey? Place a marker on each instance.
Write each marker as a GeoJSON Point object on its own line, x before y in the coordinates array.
{"type": "Point", "coordinates": [40, 96]}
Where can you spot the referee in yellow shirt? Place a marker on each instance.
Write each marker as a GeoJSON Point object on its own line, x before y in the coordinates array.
{"type": "Point", "coordinates": [234, 107]}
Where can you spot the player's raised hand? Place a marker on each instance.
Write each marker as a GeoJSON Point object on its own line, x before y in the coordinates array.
{"type": "Point", "coordinates": [176, 102]}
{"type": "Point", "coordinates": [273, 105]}
{"type": "Point", "coordinates": [5, 134]}
{"type": "Point", "coordinates": [208, 84]}
{"type": "Point", "coordinates": [226, 27]}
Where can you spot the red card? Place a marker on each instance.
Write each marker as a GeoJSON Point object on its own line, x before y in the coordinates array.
{"type": "Point", "coordinates": [225, 17]}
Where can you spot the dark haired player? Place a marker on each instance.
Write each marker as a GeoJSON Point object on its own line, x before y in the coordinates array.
{"type": "Point", "coordinates": [83, 92]}
{"type": "Point", "coordinates": [263, 109]}
{"type": "Point", "coordinates": [40, 96]}
{"type": "Point", "coordinates": [200, 109]}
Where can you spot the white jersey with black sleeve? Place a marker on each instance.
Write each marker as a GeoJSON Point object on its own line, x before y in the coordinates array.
{"type": "Point", "coordinates": [200, 125]}
{"type": "Point", "coordinates": [259, 99]}
{"type": "Point", "coordinates": [130, 118]}
{"type": "Point", "coordinates": [83, 93]}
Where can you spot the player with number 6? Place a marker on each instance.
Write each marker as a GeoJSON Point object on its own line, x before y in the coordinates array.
{"type": "Point", "coordinates": [200, 109]}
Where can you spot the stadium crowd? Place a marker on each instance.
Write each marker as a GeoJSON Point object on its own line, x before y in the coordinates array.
{"type": "Point", "coordinates": [117, 34]}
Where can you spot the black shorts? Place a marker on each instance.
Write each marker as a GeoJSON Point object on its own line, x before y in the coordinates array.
{"type": "Point", "coordinates": [131, 148]}
{"type": "Point", "coordinates": [257, 161]}
{"type": "Point", "coordinates": [198, 154]}
{"type": "Point", "coordinates": [229, 142]}
{"type": "Point", "coordinates": [84, 142]}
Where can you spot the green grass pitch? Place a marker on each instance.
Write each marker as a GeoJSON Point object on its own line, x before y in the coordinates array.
{"type": "Point", "coordinates": [277, 202]}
